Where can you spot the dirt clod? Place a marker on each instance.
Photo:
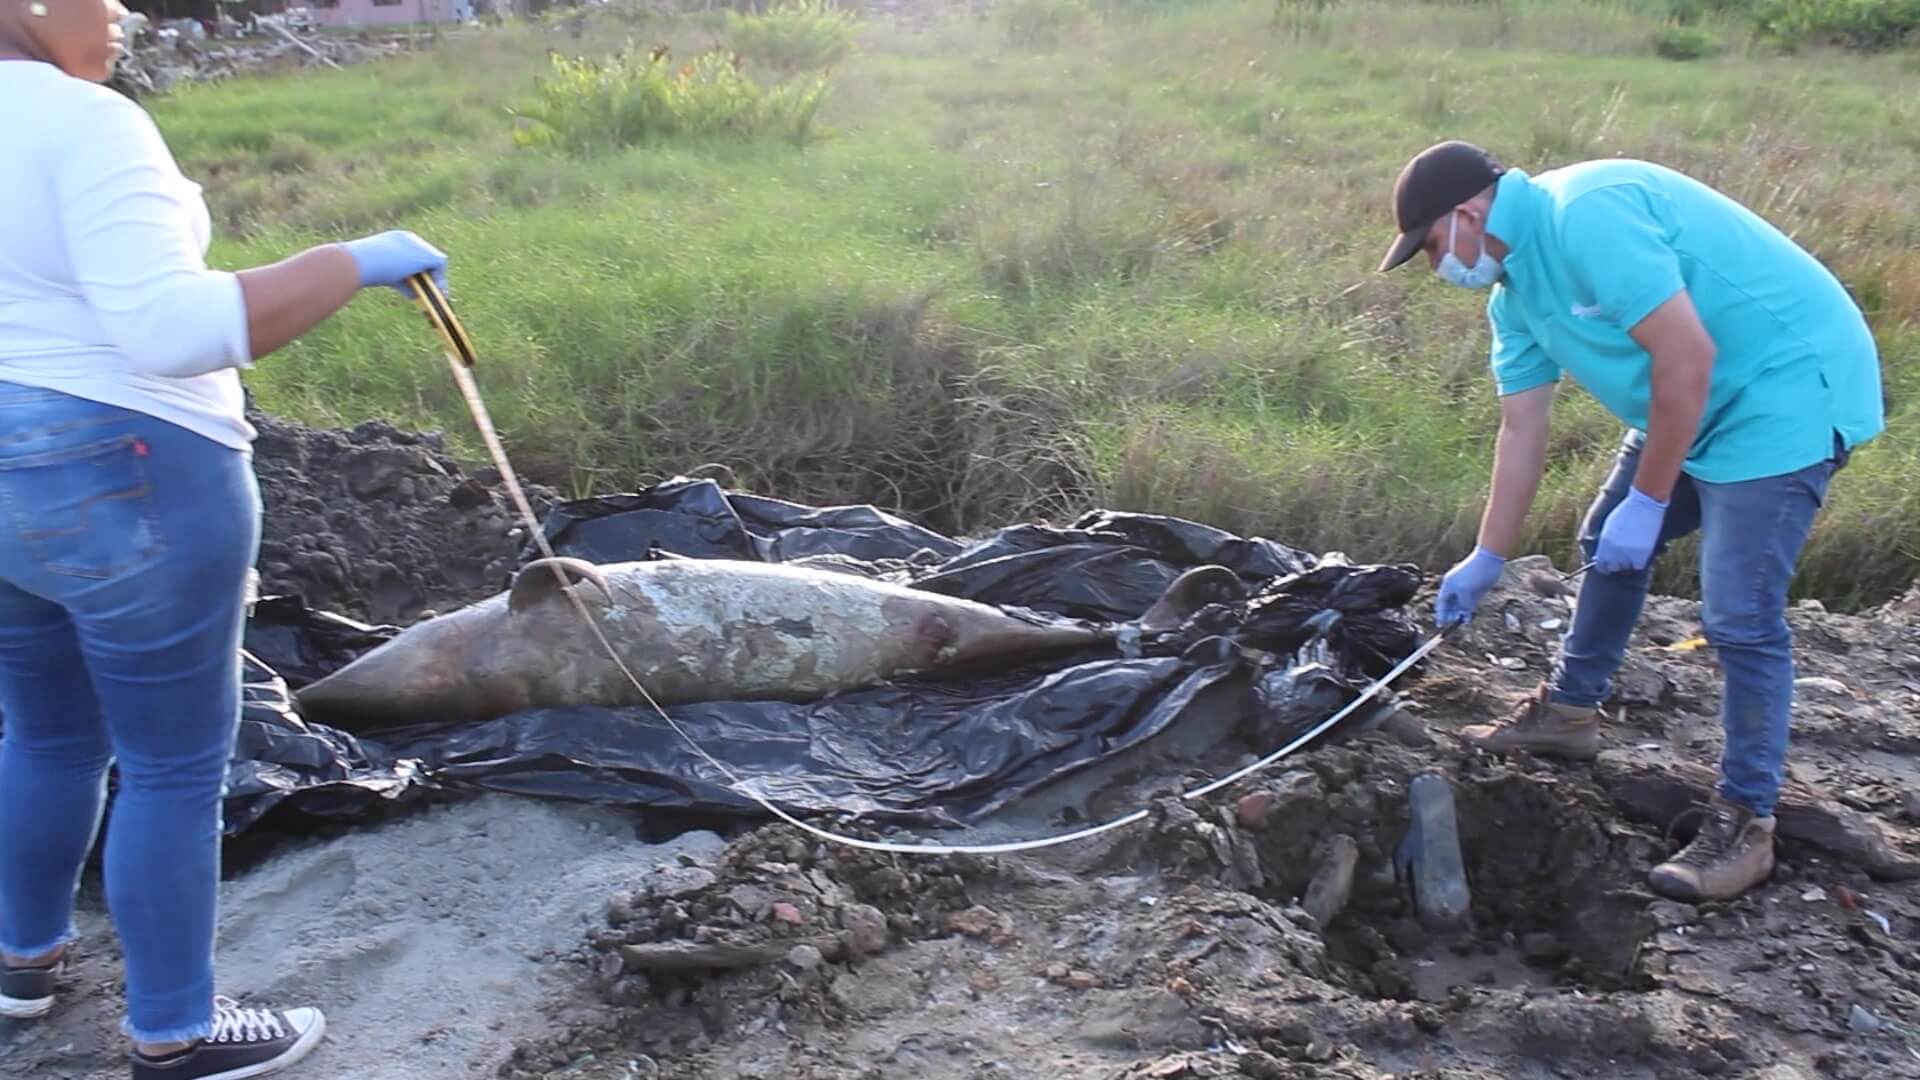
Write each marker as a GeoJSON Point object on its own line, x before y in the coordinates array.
{"type": "Point", "coordinates": [984, 923]}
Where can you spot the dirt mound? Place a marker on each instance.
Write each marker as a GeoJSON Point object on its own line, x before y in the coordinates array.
{"type": "Point", "coordinates": [381, 524]}
{"type": "Point", "coordinates": [788, 913]}
{"type": "Point", "coordinates": [1272, 932]}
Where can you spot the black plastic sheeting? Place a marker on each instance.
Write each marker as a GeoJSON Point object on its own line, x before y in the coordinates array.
{"type": "Point", "coordinates": [926, 752]}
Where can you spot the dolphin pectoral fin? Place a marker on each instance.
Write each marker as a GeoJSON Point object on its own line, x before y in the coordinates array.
{"type": "Point", "coordinates": [537, 580]}
{"type": "Point", "coordinates": [1190, 592]}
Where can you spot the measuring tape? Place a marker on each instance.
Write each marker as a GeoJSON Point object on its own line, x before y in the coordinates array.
{"type": "Point", "coordinates": [460, 357]}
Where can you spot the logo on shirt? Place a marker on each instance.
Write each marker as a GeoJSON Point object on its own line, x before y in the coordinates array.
{"type": "Point", "coordinates": [1586, 311]}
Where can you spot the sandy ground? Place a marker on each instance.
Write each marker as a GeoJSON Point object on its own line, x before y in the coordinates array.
{"type": "Point", "coordinates": [432, 943]}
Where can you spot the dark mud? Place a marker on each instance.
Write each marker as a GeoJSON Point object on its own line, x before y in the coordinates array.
{"type": "Point", "coordinates": [381, 524]}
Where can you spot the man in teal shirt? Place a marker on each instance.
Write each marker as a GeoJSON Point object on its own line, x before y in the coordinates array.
{"type": "Point", "coordinates": [1745, 375]}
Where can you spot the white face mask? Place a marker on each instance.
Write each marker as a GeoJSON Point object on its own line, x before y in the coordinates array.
{"type": "Point", "coordinates": [1483, 273]}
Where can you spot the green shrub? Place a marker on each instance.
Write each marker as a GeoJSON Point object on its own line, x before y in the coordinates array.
{"type": "Point", "coordinates": [1685, 43]}
{"type": "Point", "coordinates": [1856, 24]}
{"type": "Point", "coordinates": [793, 35]}
{"type": "Point", "coordinates": [583, 106]}
{"type": "Point", "coordinates": [1042, 24]}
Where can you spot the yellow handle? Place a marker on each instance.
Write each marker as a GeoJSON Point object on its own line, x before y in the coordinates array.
{"type": "Point", "coordinates": [439, 312]}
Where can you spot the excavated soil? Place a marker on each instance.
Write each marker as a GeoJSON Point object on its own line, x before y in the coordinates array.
{"type": "Point", "coordinates": [381, 524]}
{"type": "Point", "coordinates": [1193, 944]}
{"type": "Point", "coordinates": [526, 939]}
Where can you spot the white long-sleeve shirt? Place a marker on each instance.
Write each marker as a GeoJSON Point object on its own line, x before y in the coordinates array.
{"type": "Point", "coordinates": [104, 288]}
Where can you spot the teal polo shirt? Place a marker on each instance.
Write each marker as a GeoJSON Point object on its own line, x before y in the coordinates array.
{"type": "Point", "coordinates": [1597, 246]}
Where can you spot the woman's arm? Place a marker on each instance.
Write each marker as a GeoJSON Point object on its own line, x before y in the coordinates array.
{"type": "Point", "coordinates": [290, 297]}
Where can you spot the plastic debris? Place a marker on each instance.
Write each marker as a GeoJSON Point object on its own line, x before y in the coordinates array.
{"type": "Point", "coordinates": [1429, 856]}
{"type": "Point", "coordinates": [1823, 684]}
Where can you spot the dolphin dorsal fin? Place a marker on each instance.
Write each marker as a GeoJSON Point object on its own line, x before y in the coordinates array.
{"type": "Point", "coordinates": [1189, 593]}
{"type": "Point", "coordinates": [537, 580]}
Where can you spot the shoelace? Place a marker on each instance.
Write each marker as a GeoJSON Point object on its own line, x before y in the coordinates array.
{"type": "Point", "coordinates": [1715, 838]}
{"type": "Point", "coordinates": [233, 1024]}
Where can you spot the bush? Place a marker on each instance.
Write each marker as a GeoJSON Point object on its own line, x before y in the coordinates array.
{"type": "Point", "coordinates": [793, 35]}
{"type": "Point", "coordinates": [584, 106]}
{"type": "Point", "coordinates": [1042, 24]}
{"type": "Point", "coordinates": [1685, 43]}
{"type": "Point", "coordinates": [1856, 24]}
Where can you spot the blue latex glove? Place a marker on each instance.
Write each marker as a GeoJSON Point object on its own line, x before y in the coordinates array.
{"type": "Point", "coordinates": [1627, 539]}
{"type": "Point", "coordinates": [1464, 586]}
{"type": "Point", "coordinates": [390, 258]}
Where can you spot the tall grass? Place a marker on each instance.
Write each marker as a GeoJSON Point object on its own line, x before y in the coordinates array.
{"type": "Point", "coordinates": [1129, 264]}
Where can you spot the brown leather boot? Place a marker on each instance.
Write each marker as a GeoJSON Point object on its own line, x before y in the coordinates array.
{"type": "Point", "coordinates": [1732, 852]}
{"type": "Point", "coordinates": [1541, 726]}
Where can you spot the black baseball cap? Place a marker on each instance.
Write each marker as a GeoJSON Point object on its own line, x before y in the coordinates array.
{"type": "Point", "coordinates": [1438, 179]}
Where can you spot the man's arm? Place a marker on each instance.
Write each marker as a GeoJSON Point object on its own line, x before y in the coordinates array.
{"type": "Point", "coordinates": [1683, 355]}
{"type": "Point", "coordinates": [1519, 459]}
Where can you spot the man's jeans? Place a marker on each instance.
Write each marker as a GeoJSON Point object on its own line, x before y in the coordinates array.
{"type": "Point", "coordinates": [125, 543]}
{"type": "Point", "coordinates": [1751, 534]}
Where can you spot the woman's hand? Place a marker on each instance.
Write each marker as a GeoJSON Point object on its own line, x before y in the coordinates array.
{"type": "Point", "coordinates": [391, 257]}
{"type": "Point", "coordinates": [293, 296]}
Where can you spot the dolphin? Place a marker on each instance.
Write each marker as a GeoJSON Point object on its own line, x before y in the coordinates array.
{"type": "Point", "coordinates": [700, 630]}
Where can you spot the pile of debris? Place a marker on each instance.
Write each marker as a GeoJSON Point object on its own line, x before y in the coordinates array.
{"type": "Point", "coordinates": [161, 55]}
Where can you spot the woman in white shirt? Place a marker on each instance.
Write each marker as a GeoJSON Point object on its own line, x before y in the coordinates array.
{"type": "Point", "coordinates": [129, 519]}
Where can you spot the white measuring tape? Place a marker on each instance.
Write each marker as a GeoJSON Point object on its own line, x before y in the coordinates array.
{"type": "Point", "coordinates": [460, 356]}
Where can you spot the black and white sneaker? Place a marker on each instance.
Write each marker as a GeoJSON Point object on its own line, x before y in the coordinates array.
{"type": "Point", "coordinates": [27, 992]}
{"type": "Point", "coordinates": [244, 1043]}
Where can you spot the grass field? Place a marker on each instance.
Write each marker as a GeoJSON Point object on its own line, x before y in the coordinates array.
{"type": "Point", "coordinates": [1112, 256]}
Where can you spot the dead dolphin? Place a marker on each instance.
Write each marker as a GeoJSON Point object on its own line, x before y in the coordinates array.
{"type": "Point", "coordinates": [697, 630]}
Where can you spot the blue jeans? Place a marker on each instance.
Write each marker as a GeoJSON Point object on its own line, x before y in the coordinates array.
{"type": "Point", "coordinates": [124, 548]}
{"type": "Point", "coordinates": [1751, 534]}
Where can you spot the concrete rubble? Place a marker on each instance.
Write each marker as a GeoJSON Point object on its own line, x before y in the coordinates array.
{"type": "Point", "coordinates": [161, 55]}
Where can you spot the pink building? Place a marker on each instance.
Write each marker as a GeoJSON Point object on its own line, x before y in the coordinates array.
{"type": "Point", "coordinates": [352, 13]}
